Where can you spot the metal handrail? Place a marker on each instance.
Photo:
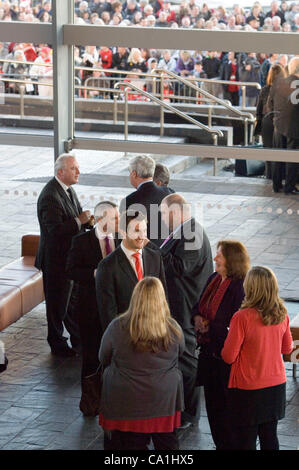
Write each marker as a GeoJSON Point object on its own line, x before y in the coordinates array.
{"type": "Point", "coordinates": [26, 62]}
{"type": "Point", "coordinates": [247, 116]}
{"type": "Point", "coordinates": [215, 132]}
{"type": "Point", "coordinates": [228, 82]}
{"type": "Point", "coordinates": [128, 72]}
{"type": "Point", "coordinates": [152, 74]}
{"type": "Point", "coordinates": [169, 107]}
{"type": "Point", "coordinates": [87, 87]}
{"type": "Point", "coordinates": [25, 82]}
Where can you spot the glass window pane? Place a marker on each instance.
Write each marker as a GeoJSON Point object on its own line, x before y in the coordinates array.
{"type": "Point", "coordinates": [30, 11]}
{"type": "Point", "coordinates": [26, 86]}
{"type": "Point", "coordinates": [212, 15]}
{"type": "Point", "coordinates": [175, 95]}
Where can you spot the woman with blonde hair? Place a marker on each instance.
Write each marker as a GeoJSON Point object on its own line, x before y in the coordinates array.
{"type": "Point", "coordinates": [258, 335]}
{"type": "Point", "coordinates": [221, 298]}
{"type": "Point", "coordinates": [142, 391]}
{"type": "Point", "coordinates": [136, 61]}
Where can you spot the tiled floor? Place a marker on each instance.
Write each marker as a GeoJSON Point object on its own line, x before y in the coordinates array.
{"type": "Point", "coordinates": [39, 394]}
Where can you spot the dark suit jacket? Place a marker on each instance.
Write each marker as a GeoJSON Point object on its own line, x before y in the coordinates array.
{"type": "Point", "coordinates": [226, 71]}
{"type": "Point", "coordinates": [116, 279]}
{"type": "Point", "coordinates": [187, 269]}
{"type": "Point", "coordinates": [149, 194]}
{"type": "Point", "coordinates": [83, 258]}
{"type": "Point", "coordinates": [230, 304]}
{"type": "Point", "coordinates": [286, 112]}
{"type": "Point", "coordinates": [56, 216]}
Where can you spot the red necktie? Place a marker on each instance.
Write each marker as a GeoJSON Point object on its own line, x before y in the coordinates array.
{"type": "Point", "coordinates": [138, 266]}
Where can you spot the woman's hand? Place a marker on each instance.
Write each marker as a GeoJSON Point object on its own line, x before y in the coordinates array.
{"type": "Point", "coordinates": [201, 324]}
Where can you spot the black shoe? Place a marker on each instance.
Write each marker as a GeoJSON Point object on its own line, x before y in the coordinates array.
{"type": "Point", "coordinates": [277, 189]}
{"type": "Point", "coordinates": [293, 191]}
{"type": "Point", "coordinates": [64, 352]}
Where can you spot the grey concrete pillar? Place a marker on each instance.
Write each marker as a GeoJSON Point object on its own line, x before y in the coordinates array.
{"type": "Point", "coordinates": [63, 81]}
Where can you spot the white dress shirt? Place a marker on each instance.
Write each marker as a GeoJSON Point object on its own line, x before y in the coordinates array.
{"type": "Point", "coordinates": [144, 182]}
{"type": "Point", "coordinates": [129, 254]}
{"type": "Point", "coordinates": [65, 188]}
{"type": "Point", "coordinates": [101, 237]}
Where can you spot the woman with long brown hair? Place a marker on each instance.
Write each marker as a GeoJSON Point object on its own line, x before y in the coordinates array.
{"type": "Point", "coordinates": [142, 392]}
{"type": "Point", "coordinates": [258, 335]}
{"type": "Point", "coordinates": [221, 298]}
{"type": "Point", "coordinates": [264, 116]}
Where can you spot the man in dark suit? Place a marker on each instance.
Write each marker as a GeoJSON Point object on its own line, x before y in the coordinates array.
{"type": "Point", "coordinates": [188, 263]}
{"type": "Point", "coordinates": [60, 217]}
{"type": "Point", "coordinates": [162, 176]}
{"type": "Point", "coordinates": [87, 250]}
{"type": "Point", "coordinates": [284, 101]}
{"type": "Point", "coordinates": [147, 196]}
{"type": "Point", "coordinates": [229, 70]}
{"type": "Point", "coordinates": [118, 274]}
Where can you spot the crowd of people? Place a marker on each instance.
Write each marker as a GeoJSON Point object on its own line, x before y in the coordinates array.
{"type": "Point", "coordinates": [159, 13]}
{"type": "Point", "coordinates": [137, 291]}
{"type": "Point", "coordinates": [196, 64]}
{"type": "Point", "coordinates": [135, 285]}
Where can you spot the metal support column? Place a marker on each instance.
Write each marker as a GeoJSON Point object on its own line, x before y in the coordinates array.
{"type": "Point", "coordinates": [63, 77]}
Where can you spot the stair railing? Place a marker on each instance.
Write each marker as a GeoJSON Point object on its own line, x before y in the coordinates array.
{"type": "Point", "coordinates": [245, 116]}
{"type": "Point", "coordinates": [215, 133]}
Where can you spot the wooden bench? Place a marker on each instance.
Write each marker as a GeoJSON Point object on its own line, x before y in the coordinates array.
{"type": "Point", "coordinates": [21, 284]}
{"type": "Point", "coordinates": [294, 356]}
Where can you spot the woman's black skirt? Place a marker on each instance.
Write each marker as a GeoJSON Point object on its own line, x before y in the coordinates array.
{"type": "Point", "coordinates": [252, 407]}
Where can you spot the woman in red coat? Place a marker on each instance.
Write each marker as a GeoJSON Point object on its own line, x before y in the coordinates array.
{"type": "Point", "coordinates": [258, 335]}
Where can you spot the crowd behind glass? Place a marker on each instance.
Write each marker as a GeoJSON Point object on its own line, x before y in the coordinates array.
{"type": "Point", "coordinates": [195, 64]}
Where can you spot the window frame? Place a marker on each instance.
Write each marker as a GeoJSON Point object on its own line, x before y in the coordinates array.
{"type": "Point", "coordinates": [63, 35]}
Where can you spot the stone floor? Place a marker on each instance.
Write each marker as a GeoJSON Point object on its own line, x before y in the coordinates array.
{"type": "Point", "coordinates": [39, 394]}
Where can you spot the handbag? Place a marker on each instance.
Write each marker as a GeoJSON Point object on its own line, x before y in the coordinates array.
{"type": "Point", "coordinates": [91, 393]}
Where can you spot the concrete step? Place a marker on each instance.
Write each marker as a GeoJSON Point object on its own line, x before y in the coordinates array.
{"type": "Point", "coordinates": [191, 133]}
{"type": "Point", "coordinates": [177, 164]}
{"type": "Point", "coordinates": [204, 167]}
{"type": "Point", "coordinates": [119, 163]}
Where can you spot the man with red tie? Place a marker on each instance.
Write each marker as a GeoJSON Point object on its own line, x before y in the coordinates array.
{"type": "Point", "coordinates": [119, 272]}
{"type": "Point", "coordinates": [86, 251]}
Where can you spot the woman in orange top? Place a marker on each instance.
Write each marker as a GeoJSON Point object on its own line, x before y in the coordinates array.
{"type": "Point", "coordinates": [258, 335]}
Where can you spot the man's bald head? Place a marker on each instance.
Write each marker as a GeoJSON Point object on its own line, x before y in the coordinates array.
{"type": "Point", "coordinates": [175, 210]}
{"type": "Point", "coordinates": [175, 199]}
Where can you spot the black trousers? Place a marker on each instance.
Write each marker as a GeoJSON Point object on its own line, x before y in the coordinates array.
{"type": "Point", "coordinates": [90, 335]}
{"type": "Point", "coordinates": [58, 290]}
{"type": "Point", "coordinates": [118, 440]}
{"type": "Point", "coordinates": [267, 138]}
{"type": "Point", "coordinates": [188, 367]}
{"type": "Point", "coordinates": [246, 436]}
{"type": "Point", "coordinates": [280, 168]}
{"type": "Point", "coordinates": [232, 96]}
{"type": "Point", "coordinates": [215, 389]}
